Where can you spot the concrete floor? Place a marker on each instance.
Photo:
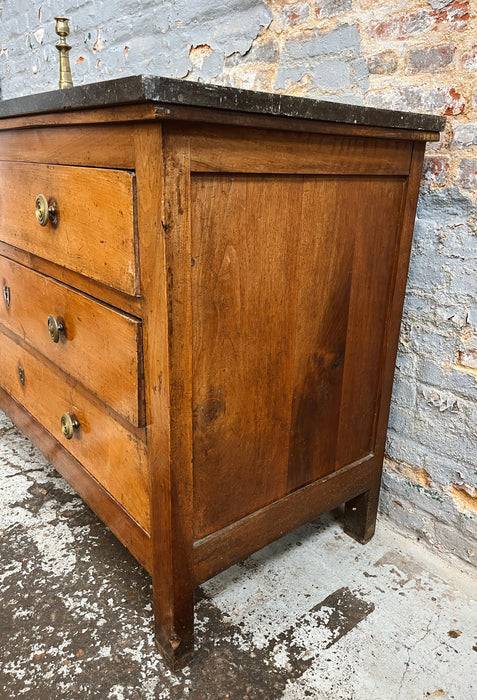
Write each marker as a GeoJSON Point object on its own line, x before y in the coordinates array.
{"type": "Point", "coordinates": [314, 615]}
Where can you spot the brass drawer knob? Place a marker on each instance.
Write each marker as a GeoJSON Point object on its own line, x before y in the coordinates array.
{"type": "Point", "coordinates": [69, 423]}
{"type": "Point", "coordinates": [56, 326]}
{"type": "Point", "coordinates": [46, 210]}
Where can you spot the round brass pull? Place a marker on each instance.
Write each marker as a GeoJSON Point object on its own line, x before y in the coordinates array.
{"type": "Point", "coordinates": [45, 210]}
{"type": "Point", "coordinates": [55, 327]}
{"type": "Point", "coordinates": [69, 423]}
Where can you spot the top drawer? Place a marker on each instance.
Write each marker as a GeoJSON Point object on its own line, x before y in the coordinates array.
{"type": "Point", "coordinates": [95, 232]}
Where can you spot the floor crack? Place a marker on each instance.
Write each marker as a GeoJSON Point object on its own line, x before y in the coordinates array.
{"type": "Point", "coordinates": [408, 650]}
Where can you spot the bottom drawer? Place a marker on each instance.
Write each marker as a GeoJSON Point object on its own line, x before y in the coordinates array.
{"type": "Point", "coordinates": [113, 455]}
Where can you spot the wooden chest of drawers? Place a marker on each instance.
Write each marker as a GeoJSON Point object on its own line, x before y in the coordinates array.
{"type": "Point", "coordinates": [202, 291]}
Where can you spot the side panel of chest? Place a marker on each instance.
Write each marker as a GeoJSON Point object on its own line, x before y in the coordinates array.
{"type": "Point", "coordinates": [292, 275]}
{"type": "Point", "coordinates": [291, 285]}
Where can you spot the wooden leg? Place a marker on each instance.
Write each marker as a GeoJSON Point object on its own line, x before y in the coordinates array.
{"type": "Point", "coordinates": [168, 338]}
{"type": "Point", "coordinates": [360, 515]}
{"type": "Point", "coordinates": [174, 623]}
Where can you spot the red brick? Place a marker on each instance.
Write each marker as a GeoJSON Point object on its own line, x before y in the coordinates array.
{"type": "Point", "coordinates": [454, 16]}
{"type": "Point", "coordinates": [383, 63]}
{"type": "Point", "coordinates": [455, 103]}
{"type": "Point", "coordinates": [331, 8]}
{"type": "Point", "coordinates": [441, 100]}
{"type": "Point", "coordinates": [295, 13]}
{"type": "Point", "coordinates": [467, 174]}
{"type": "Point", "coordinates": [435, 170]}
{"type": "Point", "coordinates": [430, 59]}
{"type": "Point", "coordinates": [469, 59]}
{"type": "Point", "coordinates": [400, 27]}
{"type": "Point", "coordinates": [383, 30]}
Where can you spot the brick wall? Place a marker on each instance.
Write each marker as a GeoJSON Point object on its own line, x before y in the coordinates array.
{"type": "Point", "coordinates": [419, 55]}
{"type": "Point", "coordinates": [425, 58]}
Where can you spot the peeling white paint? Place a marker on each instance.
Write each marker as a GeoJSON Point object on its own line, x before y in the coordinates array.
{"type": "Point", "coordinates": [39, 33]}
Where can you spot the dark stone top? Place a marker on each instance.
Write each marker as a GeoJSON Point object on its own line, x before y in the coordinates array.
{"type": "Point", "coordinates": [169, 91]}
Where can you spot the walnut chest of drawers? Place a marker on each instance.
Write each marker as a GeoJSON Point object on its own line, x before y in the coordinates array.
{"type": "Point", "coordinates": [201, 299]}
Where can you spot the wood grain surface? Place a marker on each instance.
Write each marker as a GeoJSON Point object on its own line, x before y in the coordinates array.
{"type": "Point", "coordinates": [100, 346]}
{"type": "Point", "coordinates": [291, 280]}
{"type": "Point", "coordinates": [109, 452]}
{"type": "Point", "coordinates": [172, 477]}
{"type": "Point", "coordinates": [377, 227]}
{"type": "Point", "coordinates": [95, 145]}
{"type": "Point", "coordinates": [220, 549]}
{"type": "Point", "coordinates": [258, 151]}
{"type": "Point", "coordinates": [113, 297]}
{"type": "Point", "coordinates": [96, 231]}
{"type": "Point", "coordinates": [244, 249]}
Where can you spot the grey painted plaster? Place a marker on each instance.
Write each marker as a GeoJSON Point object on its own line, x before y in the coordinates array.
{"type": "Point", "coordinates": [124, 36]}
{"type": "Point", "coordinates": [439, 4]}
{"type": "Point", "coordinates": [433, 420]}
{"type": "Point", "coordinates": [331, 8]}
{"type": "Point", "coordinates": [332, 61]}
{"type": "Point", "coordinates": [264, 53]}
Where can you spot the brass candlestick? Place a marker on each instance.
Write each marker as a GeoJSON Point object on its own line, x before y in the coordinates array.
{"type": "Point", "coordinates": [63, 30]}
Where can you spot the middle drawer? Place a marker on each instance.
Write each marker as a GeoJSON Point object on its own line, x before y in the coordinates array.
{"type": "Point", "coordinates": [96, 344]}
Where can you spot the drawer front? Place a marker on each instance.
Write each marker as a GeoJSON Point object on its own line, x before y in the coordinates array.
{"type": "Point", "coordinates": [98, 346]}
{"type": "Point", "coordinates": [94, 232]}
{"type": "Point", "coordinates": [115, 457]}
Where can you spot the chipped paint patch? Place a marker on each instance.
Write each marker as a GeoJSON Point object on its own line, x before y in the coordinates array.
{"type": "Point", "coordinates": [198, 54]}
{"type": "Point", "coordinates": [332, 61]}
{"type": "Point", "coordinates": [326, 622]}
{"type": "Point", "coordinates": [464, 496]}
{"type": "Point", "coordinates": [99, 44]}
{"type": "Point", "coordinates": [419, 476]}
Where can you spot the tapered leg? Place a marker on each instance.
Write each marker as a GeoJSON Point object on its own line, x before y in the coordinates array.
{"type": "Point", "coordinates": [174, 622]}
{"type": "Point", "coordinates": [360, 515]}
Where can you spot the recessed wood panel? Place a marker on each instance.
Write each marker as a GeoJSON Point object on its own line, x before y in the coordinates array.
{"type": "Point", "coordinates": [291, 279]}
{"type": "Point", "coordinates": [244, 246]}
{"type": "Point", "coordinates": [106, 449]}
{"type": "Point", "coordinates": [324, 267]}
{"type": "Point", "coordinates": [377, 227]}
{"type": "Point", "coordinates": [95, 234]}
{"type": "Point", "coordinates": [345, 275]}
{"type": "Point", "coordinates": [100, 346]}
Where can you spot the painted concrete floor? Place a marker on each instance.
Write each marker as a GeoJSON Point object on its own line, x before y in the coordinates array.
{"type": "Point", "coordinates": [314, 615]}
